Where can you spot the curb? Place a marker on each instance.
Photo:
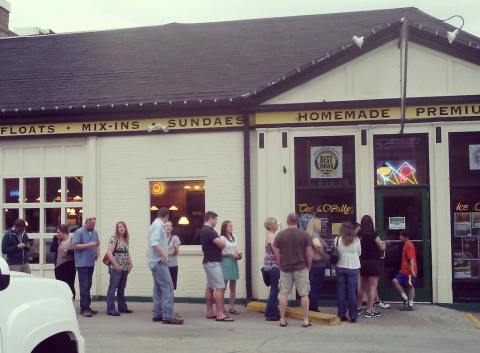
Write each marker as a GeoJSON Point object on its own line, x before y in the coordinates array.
{"type": "Point", "coordinates": [296, 313]}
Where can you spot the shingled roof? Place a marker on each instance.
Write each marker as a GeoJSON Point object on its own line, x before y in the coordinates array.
{"type": "Point", "coordinates": [176, 62]}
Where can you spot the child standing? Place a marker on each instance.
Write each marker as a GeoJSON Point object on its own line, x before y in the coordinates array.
{"type": "Point", "coordinates": [407, 276]}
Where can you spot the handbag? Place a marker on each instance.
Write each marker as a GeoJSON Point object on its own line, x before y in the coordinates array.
{"type": "Point", "coordinates": [335, 255]}
{"type": "Point", "coordinates": [266, 276]}
{"type": "Point", "coordinates": [106, 259]}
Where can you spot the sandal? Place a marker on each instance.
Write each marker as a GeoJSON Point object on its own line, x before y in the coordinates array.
{"type": "Point", "coordinates": [211, 317]}
{"type": "Point", "coordinates": [234, 311]}
{"type": "Point", "coordinates": [284, 323]}
{"type": "Point", "coordinates": [307, 325]}
{"type": "Point", "coordinates": [225, 319]}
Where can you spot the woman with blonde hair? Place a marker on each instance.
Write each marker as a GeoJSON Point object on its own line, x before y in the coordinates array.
{"type": "Point", "coordinates": [348, 265]}
{"type": "Point", "coordinates": [270, 265]}
{"type": "Point", "coordinates": [230, 257]}
{"type": "Point", "coordinates": [119, 268]}
{"type": "Point", "coordinates": [319, 262]}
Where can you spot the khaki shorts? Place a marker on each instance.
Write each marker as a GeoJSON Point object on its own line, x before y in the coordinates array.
{"type": "Point", "coordinates": [301, 280]}
{"type": "Point", "coordinates": [214, 273]}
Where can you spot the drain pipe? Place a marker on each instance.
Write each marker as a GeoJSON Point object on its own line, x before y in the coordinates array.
{"type": "Point", "coordinates": [403, 74]}
{"type": "Point", "coordinates": [248, 206]}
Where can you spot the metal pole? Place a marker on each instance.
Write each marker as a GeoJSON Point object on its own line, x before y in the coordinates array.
{"type": "Point", "coordinates": [403, 75]}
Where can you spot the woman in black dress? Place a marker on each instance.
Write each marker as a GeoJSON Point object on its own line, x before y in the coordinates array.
{"type": "Point", "coordinates": [64, 261]}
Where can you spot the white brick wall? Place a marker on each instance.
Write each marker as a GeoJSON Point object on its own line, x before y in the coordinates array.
{"type": "Point", "coordinates": [126, 164]}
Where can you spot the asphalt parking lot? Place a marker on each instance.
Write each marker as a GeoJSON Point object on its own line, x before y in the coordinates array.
{"type": "Point", "coordinates": [429, 329]}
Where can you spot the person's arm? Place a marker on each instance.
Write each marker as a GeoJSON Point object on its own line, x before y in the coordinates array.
{"type": "Point", "coordinates": [359, 247]}
{"type": "Point", "coordinates": [309, 253]}
{"type": "Point", "coordinates": [380, 243]}
{"type": "Point", "coordinates": [278, 256]}
{"type": "Point", "coordinates": [155, 244]}
{"type": "Point", "coordinates": [9, 246]}
{"type": "Point", "coordinates": [219, 242]}
{"type": "Point", "coordinates": [317, 245]}
{"type": "Point", "coordinates": [163, 255]}
{"type": "Point", "coordinates": [412, 267]}
{"type": "Point", "coordinates": [412, 259]}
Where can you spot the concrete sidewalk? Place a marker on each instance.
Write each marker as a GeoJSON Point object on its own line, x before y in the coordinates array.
{"type": "Point", "coordinates": [428, 329]}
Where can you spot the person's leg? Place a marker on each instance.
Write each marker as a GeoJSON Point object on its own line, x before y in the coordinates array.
{"type": "Point", "coordinates": [352, 289]}
{"type": "Point", "coordinates": [174, 273]}
{"type": "Point", "coordinates": [341, 289]}
{"type": "Point", "coordinates": [166, 288]}
{"type": "Point", "coordinates": [122, 303]}
{"type": "Point", "coordinates": [209, 301]}
{"type": "Point", "coordinates": [219, 302]}
{"type": "Point", "coordinates": [362, 290]}
{"type": "Point", "coordinates": [233, 294]}
{"type": "Point", "coordinates": [302, 282]}
{"type": "Point", "coordinates": [70, 277]}
{"type": "Point", "coordinates": [398, 286]}
{"type": "Point", "coordinates": [83, 284]}
{"type": "Point", "coordinates": [112, 288]}
{"type": "Point", "coordinates": [371, 291]}
{"type": "Point", "coordinates": [271, 311]}
{"type": "Point", "coordinates": [156, 297]}
{"type": "Point", "coordinates": [285, 287]}
{"type": "Point", "coordinates": [314, 291]}
{"type": "Point", "coordinates": [90, 282]}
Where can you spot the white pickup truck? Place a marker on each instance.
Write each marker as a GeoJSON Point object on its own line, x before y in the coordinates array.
{"type": "Point", "coordinates": [36, 315]}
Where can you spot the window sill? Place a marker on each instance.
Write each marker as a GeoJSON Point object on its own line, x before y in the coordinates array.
{"type": "Point", "coordinates": [190, 250]}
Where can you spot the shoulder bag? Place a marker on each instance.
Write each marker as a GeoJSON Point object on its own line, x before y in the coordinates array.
{"type": "Point", "coordinates": [106, 259]}
{"type": "Point", "coordinates": [335, 255]}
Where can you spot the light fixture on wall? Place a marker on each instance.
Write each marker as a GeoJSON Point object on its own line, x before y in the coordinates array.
{"type": "Point", "coordinates": [451, 35]}
{"type": "Point", "coordinates": [155, 127]}
{"type": "Point", "coordinates": [154, 208]}
{"type": "Point", "coordinates": [358, 41]}
{"type": "Point", "coordinates": [77, 198]}
{"type": "Point", "coordinates": [173, 208]}
{"type": "Point", "coordinates": [187, 187]}
{"type": "Point", "coordinates": [183, 221]}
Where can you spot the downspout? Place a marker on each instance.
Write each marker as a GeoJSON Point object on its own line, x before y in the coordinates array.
{"type": "Point", "coordinates": [248, 206]}
{"type": "Point", "coordinates": [403, 74]}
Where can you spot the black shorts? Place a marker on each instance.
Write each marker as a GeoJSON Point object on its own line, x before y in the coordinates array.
{"type": "Point", "coordinates": [174, 273]}
{"type": "Point", "coordinates": [370, 268]}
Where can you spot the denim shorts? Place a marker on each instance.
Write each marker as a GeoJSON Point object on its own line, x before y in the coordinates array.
{"type": "Point", "coordinates": [214, 274]}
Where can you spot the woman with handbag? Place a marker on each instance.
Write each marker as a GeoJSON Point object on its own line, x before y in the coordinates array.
{"type": "Point", "coordinates": [230, 257]}
{"type": "Point", "coordinates": [272, 270]}
{"type": "Point", "coordinates": [62, 247]}
{"type": "Point", "coordinates": [119, 266]}
{"type": "Point", "coordinates": [370, 265]}
{"type": "Point", "coordinates": [348, 247]}
{"type": "Point", "coordinates": [319, 262]}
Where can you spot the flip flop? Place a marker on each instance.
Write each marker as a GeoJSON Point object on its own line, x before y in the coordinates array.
{"type": "Point", "coordinates": [307, 325]}
{"type": "Point", "coordinates": [284, 324]}
{"type": "Point", "coordinates": [225, 319]}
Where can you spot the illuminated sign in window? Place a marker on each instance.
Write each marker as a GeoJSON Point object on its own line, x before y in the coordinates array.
{"type": "Point", "coordinates": [401, 173]}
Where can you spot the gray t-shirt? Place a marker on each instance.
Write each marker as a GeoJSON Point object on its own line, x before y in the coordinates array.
{"type": "Point", "coordinates": [85, 257]}
{"type": "Point", "coordinates": [172, 241]}
{"type": "Point", "coordinates": [157, 236]}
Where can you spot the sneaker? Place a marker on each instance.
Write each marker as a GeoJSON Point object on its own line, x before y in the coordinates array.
{"type": "Point", "coordinates": [382, 305]}
{"type": "Point", "coordinates": [157, 319]}
{"type": "Point", "coordinates": [173, 321]}
{"type": "Point", "coordinates": [94, 312]}
{"type": "Point", "coordinates": [86, 313]}
{"type": "Point", "coordinates": [407, 308]}
{"type": "Point", "coordinates": [361, 311]}
{"type": "Point", "coordinates": [114, 313]}
{"type": "Point", "coordinates": [126, 311]}
{"type": "Point", "coordinates": [370, 314]}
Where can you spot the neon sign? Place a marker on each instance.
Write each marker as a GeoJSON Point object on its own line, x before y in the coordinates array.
{"type": "Point", "coordinates": [404, 174]}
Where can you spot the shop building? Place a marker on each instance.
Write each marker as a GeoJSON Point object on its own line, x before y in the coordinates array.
{"type": "Point", "coordinates": [250, 119]}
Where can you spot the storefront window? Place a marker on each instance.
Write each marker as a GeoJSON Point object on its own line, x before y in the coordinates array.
{"type": "Point", "coordinates": [32, 218]}
{"type": "Point", "coordinates": [32, 189]}
{"type": "Point", "coordinates": [34, 252]}
{"type": "Point", "coordinates": [401, 160]}
{"type": "Point", "coordinates": [74, 189]}
{"type": "Point", "coordinates": [48, 256]}
{"type": "Point", "coordinates": [9, 216]}
{"type": "Point", "coordinates": [186, 202]}
{"type": "Point", "coordinates": [465, 213]}
{"type": "Point", "coordinates": [11, 190]}
{"type": "Point", "coordinates": [52, 219]}
{"type": "Point", "coordinates": [53, 189]}
{"type": "Point", "coordinates": [74, 218]}
{"type": "Point", "coordinates": [325, 183]}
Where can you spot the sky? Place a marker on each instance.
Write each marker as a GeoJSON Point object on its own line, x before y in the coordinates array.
{"type": "Point", "coordinates": [86, 15]}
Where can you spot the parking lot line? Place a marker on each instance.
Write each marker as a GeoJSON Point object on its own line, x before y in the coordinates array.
{"type": "Point", "coordinates": [473, 319]}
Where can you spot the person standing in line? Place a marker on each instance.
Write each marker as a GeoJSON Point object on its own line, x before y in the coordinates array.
{"type": "Point", "coordinates": [15, 244]}
{"type": "Point", "coordinates": [86, 244]}
{"type": "Point", "coordinates": [293, 251]}
{"type": "Point", "coordinates": [62, 247]}
{"type": "Point", "coordinates": [371, 245]}
{"type": "Point", "coordinates": [173, 248]}
{"type": "Point", "coordinates": [407, 276]}
{"type": "Point", "coordinates": [162, 281]}
{"type": "Point", "coordinates": [119, 268]}
{"type": "Point", "coordinates": [270, 264]}
{"type": "Point", "coordinates": [212, 246]}
{"type": "Point", "coordinates": [230, 257]}
{"type": "Point", "coordinates": [347, 269]}
{"type": "Point", "coordinates": [319, 262]}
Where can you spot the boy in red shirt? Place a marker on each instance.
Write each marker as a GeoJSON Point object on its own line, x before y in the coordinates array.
{"type": "Point", "coordinates": [408, 272]}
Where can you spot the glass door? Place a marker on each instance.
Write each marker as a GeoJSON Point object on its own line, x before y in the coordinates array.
{"type": "Point", "coordinates": [404, 209]}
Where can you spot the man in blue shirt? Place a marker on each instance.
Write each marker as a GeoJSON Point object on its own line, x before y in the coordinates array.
{"type": "Point", "coordinates": [87, 247]}
{"type": "Point", "coordinates": [157, 257]}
